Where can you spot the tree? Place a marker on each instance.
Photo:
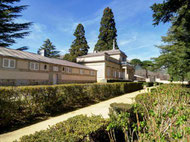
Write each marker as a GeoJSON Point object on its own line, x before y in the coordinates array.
{"type": "Point", "coordinates": [136, 62]}
{"type": "Point", "coordinates": [79, 46]}
{"type": "Point", "coordinates": [175, 54]}
{"type": "Point", "coordinates": [147, 65]}
{"type": "Point", "coordinates": [49, 49]}
{"type": "Point", "coordinates": [9, 29]}
{"type": "Point", "coordinates": [174, 9]}
{"type": "Point", "coordinates": [108, 32]}
{"type": "Point", "coordinates": [23, 48]}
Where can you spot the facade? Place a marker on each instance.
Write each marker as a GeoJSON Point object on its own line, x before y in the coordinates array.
{"type": "Point", "coordinates": [24, 68]}
{"type": "Point", "coordinates": [110, 65]}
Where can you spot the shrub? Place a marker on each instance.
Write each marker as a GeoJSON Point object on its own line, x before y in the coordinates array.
{"type": "Point", "coordinates": [24, 104]}
{"type": "Point", "coordinates": [148, 84]}
{"type": "Point", "coordinates": [124, 120]}
{"type": "Point", "coordinates": [76, 129]}
{"type": "Point", "coordinates": [160, 115]}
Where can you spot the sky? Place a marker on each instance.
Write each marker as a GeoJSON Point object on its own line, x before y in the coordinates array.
{"type": "Point", "coordinates": [57, 20]}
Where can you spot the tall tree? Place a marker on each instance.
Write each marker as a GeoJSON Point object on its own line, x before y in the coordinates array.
{"type": "Point", "coordinates": [9, 29]}
{"type": "Point", "coordinates": [79, 46]}
{"type": "Point", "coordinates": [49, 49]}
{"type": "Point", "coordinates": [175, 54]}
{"type": "Point", "coordinates": [108, 32]}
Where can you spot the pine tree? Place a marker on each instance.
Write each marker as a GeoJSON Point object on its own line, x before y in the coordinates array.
{"type": "Point", "coordinates": [49, 49]}
{"type": "Point", "coordinates": [9, 30]}
{"type": "Point", "coordinates": [108, 32]}
{"type": "Point", "coordinates": [79, 46]}
{"type": "Point", "coordinates": [175, 54]}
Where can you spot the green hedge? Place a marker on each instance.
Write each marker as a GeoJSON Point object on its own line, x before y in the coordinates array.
{"type": "Point", "coordinates": [76, 129]}
{"type": "Point", "coordinates": [159, 115]}
{"type": "Point", "coordinates": [24, 104]}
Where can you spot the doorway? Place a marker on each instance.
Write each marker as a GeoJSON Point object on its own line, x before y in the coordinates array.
{"type": "Point", "coordinates": [55, 78]}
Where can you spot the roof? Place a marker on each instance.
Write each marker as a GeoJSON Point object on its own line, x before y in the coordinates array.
{"type": "Point", "coordinates": [139, 76]}
{"type": "Point", "coordinates": [109, 52]}
{"type": "Point", "coordinates": [35, 57]}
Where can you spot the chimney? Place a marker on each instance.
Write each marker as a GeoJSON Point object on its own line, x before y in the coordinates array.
{"type": "Point", "coordinates": [114, 44]}
{"type": "Point", "coordinates": [42, 52]}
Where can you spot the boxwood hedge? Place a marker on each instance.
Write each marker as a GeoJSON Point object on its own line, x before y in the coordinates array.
{"type": "Point", "coordinates": [24, 104]}
{"type": "Point", "coordinates": [76, 129]}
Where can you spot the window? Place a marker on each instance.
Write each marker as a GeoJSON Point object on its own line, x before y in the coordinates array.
{"type": "Point", "coordinates": [55, 68]}
{"type": "Point", "coordinates": [92, 72]}
{"type": "Point", "coordinates": [115, 73]}
{"type": "Point", "coordinates": [34, 66]}
{"type": "Point", "coordinates": [45, 67]}
{"type": "Point", "coordinates": [9, 63]}
{"type": "Point", "coordinates": [81, 71]}
{"type": "Point", "coordinates": [68, 70]}
{"type": "Point", "coordinates": [108, 72]}
{"type": "Point", "coordinates": [63, 69]}
{"type": "Point", "coordinates": [123, 59]}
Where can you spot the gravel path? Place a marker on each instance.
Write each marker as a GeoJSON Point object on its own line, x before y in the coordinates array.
{"type": "Point", "coordinates": [101, 108]}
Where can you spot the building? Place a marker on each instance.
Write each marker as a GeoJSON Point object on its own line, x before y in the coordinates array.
{"type": "Point", "coordinates": [141, 75]}
{"type": "Point", "coordinates": [110, 65]}
{"type": "Point", "coordinates": [24, 68]}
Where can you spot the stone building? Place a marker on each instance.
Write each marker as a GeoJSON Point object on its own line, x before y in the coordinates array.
{"type": "Point", "coordinates": [24, 68]}
{"type": "Point", "coordinates": [110, 65]}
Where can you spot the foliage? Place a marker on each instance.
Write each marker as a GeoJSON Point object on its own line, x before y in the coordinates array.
{"type": "Point", "coordinates": [23, 48]}
{"type": "Point", "coordinates": [149, 84]}
{"type": "Point", "coordinates": [9, 29]}
{"type": "Point", "coordinates": [19, 105]}
{"type": "Point", "coordinates": [146, 65]}
{"type": "Point", "coordinates": [166, 11]}
{"type": "Point", "coordinates": [79, 46]}
{"type": "Point", "coordinates": [49, 49]}
{"type": "Point", "coordinates": [108, 32]}
{"type": "Point", "coordinates": [136, 62]}
{"type": "Point", "coordinates": [160, 115]}
{"type": "Point", "coordinates": [76, 129]}
{"type": "Point", "coordinates": [175, 53]}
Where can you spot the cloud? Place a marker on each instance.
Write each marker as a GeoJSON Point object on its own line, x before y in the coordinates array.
{"type": "Point", "coordinates": [126, 41]}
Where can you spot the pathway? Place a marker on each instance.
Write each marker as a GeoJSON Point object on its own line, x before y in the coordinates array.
{"type": "Point", "coordinates": [101, 108]}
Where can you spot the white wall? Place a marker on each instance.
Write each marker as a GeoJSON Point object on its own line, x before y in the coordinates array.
{"type": "Point", "coordinates": [100, 67]}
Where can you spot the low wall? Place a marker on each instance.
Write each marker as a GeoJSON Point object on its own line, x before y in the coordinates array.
{"type": "Point", "coordinates": [167, 82]}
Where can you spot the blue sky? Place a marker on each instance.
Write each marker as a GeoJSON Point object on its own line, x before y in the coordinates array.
{"type": "Point", "coordinates": [57, 20]}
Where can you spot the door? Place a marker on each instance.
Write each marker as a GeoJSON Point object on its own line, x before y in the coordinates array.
{"type": "Point", "coordinates": [55, 78]}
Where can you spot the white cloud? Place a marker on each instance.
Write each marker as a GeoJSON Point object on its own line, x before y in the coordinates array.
{"type": "Point", "coordinates": [126, 41]}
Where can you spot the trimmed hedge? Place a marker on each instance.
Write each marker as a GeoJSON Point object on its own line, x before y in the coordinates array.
{"type": "Point", "coordinates": [19, 105]}
{"type": "Point", "coordinates": [76, 129]}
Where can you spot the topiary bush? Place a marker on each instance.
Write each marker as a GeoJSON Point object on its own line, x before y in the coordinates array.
{"type": "Point", "coordinates": [20, 105]}
{"type": "Point", "coordinates": [76, 129]}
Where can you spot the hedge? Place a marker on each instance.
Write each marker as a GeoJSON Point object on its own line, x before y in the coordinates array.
{"type": "Point", "coordinates": [20, 105]}
{"type": "Point", "coordinates": [76, 129]}
{"type": "Point", "coordinates": [159, 115]}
